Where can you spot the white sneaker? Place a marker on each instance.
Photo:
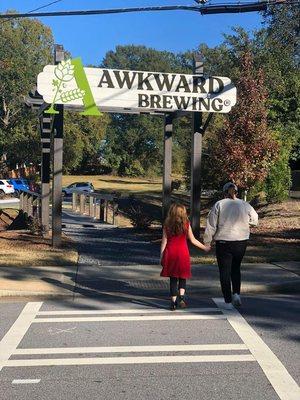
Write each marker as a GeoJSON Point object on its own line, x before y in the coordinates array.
{"type": "Point", "coordinates": [227, 306]}
{"type": "Point", "coordinates": [236, 300]}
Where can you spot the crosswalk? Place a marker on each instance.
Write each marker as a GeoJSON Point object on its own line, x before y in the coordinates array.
{"type": "Point", "coordinates": [250, 349]}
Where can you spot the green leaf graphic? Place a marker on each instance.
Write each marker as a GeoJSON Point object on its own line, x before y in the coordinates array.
{"type": "Point", "coordinates": [72, 95]}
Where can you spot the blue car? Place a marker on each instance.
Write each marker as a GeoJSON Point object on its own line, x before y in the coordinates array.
{"type": "Point", "coordinates": [19, 184]}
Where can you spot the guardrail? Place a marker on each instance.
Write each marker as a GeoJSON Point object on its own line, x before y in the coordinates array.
{"type": "Point", "coordinates": [102, 207]}
{"type": "Point", "coordinates": [30, 203]}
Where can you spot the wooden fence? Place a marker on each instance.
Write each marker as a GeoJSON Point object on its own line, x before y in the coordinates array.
{"type": "Point", "coordinates": [101, 207]}
{"type": "Point", "coordinates": [30, 203]}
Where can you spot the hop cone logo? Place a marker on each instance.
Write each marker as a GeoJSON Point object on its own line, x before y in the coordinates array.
{"type": "Point", "coordinates": [64, 71]}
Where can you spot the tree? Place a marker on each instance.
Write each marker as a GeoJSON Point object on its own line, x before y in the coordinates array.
{"type": "Point", "coordinates": [134, 144]}
{"type": "Point", "coordinates": [3, 166]}
{"type": "Point", "coordinates": [82, 141]}
{"type": "Point", "coordinates": [277, 49]}
{"type": "Point", "coordinates": [278, 181]}
{"type": "Point", "coordinates": [243, 148]}
{"type": "Point", "coordinates": [25, 47]}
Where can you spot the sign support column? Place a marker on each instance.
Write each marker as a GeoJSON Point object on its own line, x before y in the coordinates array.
{"type": "Point", "coordinates": [57, 148]}
{"type": "Point", "coordinates": [167, 169]}
{"type": "Point", "coordinates": [196, 155]}
{"type": "Point", "coordinates": [45, 128]}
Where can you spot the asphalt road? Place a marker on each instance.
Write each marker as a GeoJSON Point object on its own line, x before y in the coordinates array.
{"type": "Point", "coordinates": [120, 348]}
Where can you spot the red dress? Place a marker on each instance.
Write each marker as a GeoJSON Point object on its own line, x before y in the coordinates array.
{"type": "Point", "coordinates": [176, 257]}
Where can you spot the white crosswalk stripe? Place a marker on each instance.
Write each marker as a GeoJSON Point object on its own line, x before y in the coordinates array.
{"type": "Point", "coordinates": [132, 349]}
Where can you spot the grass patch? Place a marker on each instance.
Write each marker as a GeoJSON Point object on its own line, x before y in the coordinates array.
{"type": "Point", "coordinates": [124, 185]}
{"type": "Point", "coordinates": [20, 248]}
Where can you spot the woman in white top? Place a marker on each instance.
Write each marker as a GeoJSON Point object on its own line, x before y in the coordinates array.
{"type": "Point", "coordinates": [228, 223]}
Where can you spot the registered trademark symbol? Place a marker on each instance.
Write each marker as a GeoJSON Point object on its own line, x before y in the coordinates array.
{"type": "Point", "coordinates": [227, 103]}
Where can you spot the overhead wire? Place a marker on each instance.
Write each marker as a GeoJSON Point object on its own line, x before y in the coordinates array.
{"type": "Point", "coordinates": [44, 6]}
{"type": "Point", "coordinates": [232, 7]}
{"type": "Point", "coordinates": [35, 9]}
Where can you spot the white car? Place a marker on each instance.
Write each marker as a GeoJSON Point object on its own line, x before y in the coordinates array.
{"type": "Point", "coordinates": [6, 187]}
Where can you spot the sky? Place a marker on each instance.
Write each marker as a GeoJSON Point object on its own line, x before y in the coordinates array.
{"type": "Point", "coordinates": [90, 37]}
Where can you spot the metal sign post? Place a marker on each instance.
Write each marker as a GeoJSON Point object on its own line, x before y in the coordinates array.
{"type": "Point", "coordinates": [199, 128]}
{"type": "Point", "coordinates": [45, 128]}
{"type": "Point", "coordinates": [57, 159]}
{"type": "Point", "coordinates": [196, 155]}
{"type": "Point", "coordinates": [167, 170]}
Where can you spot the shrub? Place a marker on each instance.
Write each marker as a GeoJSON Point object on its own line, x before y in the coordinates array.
{"type": "Point", "coordinates": [175, 185]}
{"type": "Point", "coordinates": [279, 180]}
{"type": "Point", "coordinates": [138, 218]}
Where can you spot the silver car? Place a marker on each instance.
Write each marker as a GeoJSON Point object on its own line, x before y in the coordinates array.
{"type": "Point", "coordinates": [74, 187]}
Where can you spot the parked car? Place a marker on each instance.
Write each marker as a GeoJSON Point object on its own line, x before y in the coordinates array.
{"type": "Point", "coordinates": [84, 186]}
{"type": "Point", "coordinates": [207, 193]}
{"type": "Point", "coordinates": [6, 187]}
{"type": "Point", "coordinates": [19, 184]}
{"type": "Point", "coordinates": [34, 187]}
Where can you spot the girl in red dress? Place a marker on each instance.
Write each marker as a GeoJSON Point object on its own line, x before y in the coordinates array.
{"type": "Point", "coordinates": [175, 256]}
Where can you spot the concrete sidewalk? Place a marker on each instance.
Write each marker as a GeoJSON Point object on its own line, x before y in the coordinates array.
{"type": "Point", "coordinates": [140, 280]}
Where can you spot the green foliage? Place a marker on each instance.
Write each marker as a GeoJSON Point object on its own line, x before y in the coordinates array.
{"type": "Point", "coordinates": [278, 181]}
{"type": "Point", "coordinates": [3, 167]}
{"type": "Point", "coordinates": [134, 144]}
{"type": "Point", "coordinates": [25, 47]}
{"type": "Point", "coordinates": [24, 145]}
{"type": "Point", "coordinates": [82, 142]}
{"type": "Point", "coordinates": [143, 58]}
{"type": "Point", "coordinates": [277, 51]}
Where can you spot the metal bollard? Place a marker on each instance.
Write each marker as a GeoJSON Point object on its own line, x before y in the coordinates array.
{"type": "Point", "coordinates": [21, 201]}
{"type": "Point", "coordinates": [91, 207]}
{"type": "Point", "coordinates": [81, 203]}
{"type": "Point", "coordinates": [102, 209]}
{"type": "Point", "coordinates": [25, 203]}
{"type": "Point", "coordinates": [74, 202]}
{"type": "Point", "coordinates": [30, 206]}
{"type": "Point", "coordinates": [106, 210]}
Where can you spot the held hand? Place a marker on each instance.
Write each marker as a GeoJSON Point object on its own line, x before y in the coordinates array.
{"type": "Point", "coordinates": [207, 248]}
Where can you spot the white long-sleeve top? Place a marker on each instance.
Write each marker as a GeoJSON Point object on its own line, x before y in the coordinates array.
{"type": "Point", "coordinates": [230, 220]}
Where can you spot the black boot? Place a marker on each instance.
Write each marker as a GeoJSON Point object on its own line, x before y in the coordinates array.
{"type": "Point", "coordinates": [182, 302]}
{"type": "Point", "coordinates": [173, 305]}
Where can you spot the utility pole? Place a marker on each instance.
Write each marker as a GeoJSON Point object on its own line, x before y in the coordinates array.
{"type": "Point", "coordinates": [57, 162]}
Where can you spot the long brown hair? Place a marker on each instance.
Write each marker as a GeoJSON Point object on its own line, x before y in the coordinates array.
{"type": "Point", "coordinates": [176, 222]}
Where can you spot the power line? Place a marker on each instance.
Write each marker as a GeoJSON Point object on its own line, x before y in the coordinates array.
{"type": "Point", "coordinates": [238, 7]}
{"type": "Point", "coordinates": [44, 6]}
{"type": "Point", "coordinates": [35, 9]}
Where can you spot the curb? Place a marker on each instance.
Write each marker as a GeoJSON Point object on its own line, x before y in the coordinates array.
{"type": "Point", "coordinates": [283, 288]}
{"type": "Point", "coordinates": [6, 294]}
